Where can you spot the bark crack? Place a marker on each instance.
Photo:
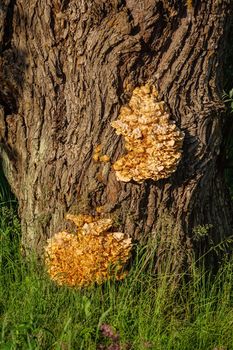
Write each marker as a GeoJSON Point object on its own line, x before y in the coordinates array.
{"type": "Point", "coordinates": [8, 26]}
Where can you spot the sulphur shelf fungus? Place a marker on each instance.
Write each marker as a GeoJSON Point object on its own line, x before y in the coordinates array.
{"type": "Point", "coordinates": [90, 255]}
{"type": "Point", "coordinates": [152, 139]}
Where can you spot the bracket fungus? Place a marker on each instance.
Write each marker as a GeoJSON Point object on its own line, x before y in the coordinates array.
{"type": "Point", "coordinates": [92, 254]}
{"type": "Point", "coordinates": [152, 139]}
{"type": "Point", "coordinates": [98, 156]}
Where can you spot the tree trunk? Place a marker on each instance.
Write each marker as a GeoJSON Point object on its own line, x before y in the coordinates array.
{"type": "Point", "coordinates": [66, 69]}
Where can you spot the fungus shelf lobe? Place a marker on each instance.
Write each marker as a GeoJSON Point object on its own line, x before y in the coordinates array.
{"type": "Point", "coordinates": [91, 255]}
{"type": "Point", "coordinates": [152, 139]}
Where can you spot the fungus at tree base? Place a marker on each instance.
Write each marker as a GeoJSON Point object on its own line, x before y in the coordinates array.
{"type": "Point", "coordinates": [91, 255]}
{"type": "Point", "coordinates": [152, 140]}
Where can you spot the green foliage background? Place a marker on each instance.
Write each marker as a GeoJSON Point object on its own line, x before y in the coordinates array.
{"type": "Point", "coordinates": [228, 98]}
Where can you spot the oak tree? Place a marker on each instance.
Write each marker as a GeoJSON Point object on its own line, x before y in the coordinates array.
{"type": "Point", "coordinates": [67, 67]}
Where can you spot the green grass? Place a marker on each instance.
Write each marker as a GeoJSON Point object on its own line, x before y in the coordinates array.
{"type": "Point", "coordinates": [145, 309]}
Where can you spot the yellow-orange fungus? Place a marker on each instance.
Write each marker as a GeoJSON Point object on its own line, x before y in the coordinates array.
{"type": "Point", "coordinates": [152, 139]}
{"type": "Point", "coordinates": [97, 153]}
{"type": "Point", "coordinates": [92, 254]}
{"type": "Point", "coordinates": [104, 158]}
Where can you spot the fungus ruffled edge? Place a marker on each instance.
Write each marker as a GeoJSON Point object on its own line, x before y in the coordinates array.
{"type": "Point", "coordinates": [90, 255]}
{"type": "Point", "coordinates": [153, 141]}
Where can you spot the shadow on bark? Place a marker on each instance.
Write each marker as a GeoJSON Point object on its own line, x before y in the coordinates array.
{"type": "Point", "coordinates": [13, 65]}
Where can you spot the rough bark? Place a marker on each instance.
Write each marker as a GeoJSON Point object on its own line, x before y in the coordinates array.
{"type": "Point", "coordinates": [66, 69]}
